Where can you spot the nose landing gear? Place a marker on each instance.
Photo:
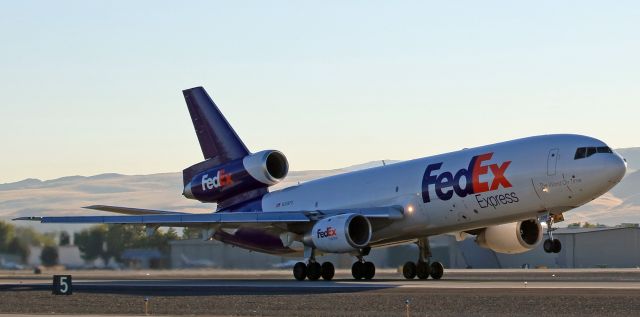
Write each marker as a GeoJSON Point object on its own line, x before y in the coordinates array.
{"type": "Point", "coordinates": [551, 245]}
{"type": "Point", "coordinates": [423, 268]}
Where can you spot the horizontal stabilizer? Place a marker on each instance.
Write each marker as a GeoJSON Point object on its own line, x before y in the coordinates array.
{"type": "Point", "coordinates": [131, 211]}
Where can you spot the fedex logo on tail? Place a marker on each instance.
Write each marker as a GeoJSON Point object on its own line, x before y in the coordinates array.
{"type": "Point", "coordinates": [445, 184]}
{"type": "Point", "coordinates": [219, 180]}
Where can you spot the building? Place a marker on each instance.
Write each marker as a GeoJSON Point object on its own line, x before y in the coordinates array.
{"type": "Point", "coordinates": [68, 255]}
{"type": "Point", "coordinates": [599, 247]}
{"type": "Point", "coordinates": [617, 247]}
{"type": "Point", "coordinates": [142, 258]}
{"type": "Point", "coordinates": [581, 248]}
{"type": "Point", "coordinates": [198, 253]}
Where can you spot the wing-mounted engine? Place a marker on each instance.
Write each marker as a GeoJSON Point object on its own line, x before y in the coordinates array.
{"type": "Point", "coordinates": [340, 234]}
{"type": "Point", "coordinates": [516, 237]}
{"type": "Point", "coordinates": [220, 182]}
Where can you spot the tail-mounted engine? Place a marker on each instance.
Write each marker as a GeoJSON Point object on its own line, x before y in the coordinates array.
{"type": "Point", "coordinates": [339, 234]}
{"type": "Point", "coordinates": [516, 237]}
{"type": "Point", "coordinates": [220, 182]}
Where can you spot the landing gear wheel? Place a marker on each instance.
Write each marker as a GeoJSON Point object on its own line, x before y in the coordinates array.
{"type": "Point", "coordinates": [552, 245]}
{"type": "Point", "coordinates": [548, 245]}
{"type": "Point", "coordinates": [314, 271]}
{"type": "Point", "coordinates": [409, 270]}
{"type": "Point", "coordinates": [300, 271]}
{"type": "Point", "coordinates": [557, 246]}
{"type": "Point", "coordinates": [357, 270]}
{"type": "Point", "coordinates": [369, 270]}
{"type": "Point", "coordinates": [437, 270]}
{"type": "Point", "coordinates": [423, 270]}
{"type": "Point", "coordinates": [327, 271]}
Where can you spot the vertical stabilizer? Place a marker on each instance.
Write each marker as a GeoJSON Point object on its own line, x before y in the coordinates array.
{"type": "Point", "coordinates": [218, 140]}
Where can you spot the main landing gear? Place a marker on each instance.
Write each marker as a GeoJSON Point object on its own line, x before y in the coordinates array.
{"type": "Point", "coordinates": [313, 270]}
{"type": "Point", "coordinates": [423, 268]}
{"type": "Point", "coordinates": [362, 269]}
{"type": "Point", "coordinates": [551, 245]}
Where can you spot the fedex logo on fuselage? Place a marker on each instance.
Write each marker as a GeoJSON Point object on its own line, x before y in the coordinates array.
{"type": "Point", "coordinates": [446, 183]}
{"type": "Point", "coordinates": [221, 179]}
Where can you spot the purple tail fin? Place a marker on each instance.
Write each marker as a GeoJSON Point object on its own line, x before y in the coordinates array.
{"type": "Point", "coordinates": [217, 138]}
{"type": "Point", "coordinates": [218, 141]}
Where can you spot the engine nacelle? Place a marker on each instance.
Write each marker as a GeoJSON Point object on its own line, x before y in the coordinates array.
{"type": "Point", "coordinates": [258, 170]}
{"type": "Point", "coordinates": [340, 234]}
{"type": "Point", "coordinates": [268, 167]}
{"type": "Point", "coordinates": [516, 237]}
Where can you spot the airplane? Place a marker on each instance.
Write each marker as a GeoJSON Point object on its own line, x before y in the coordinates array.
{"type": "Point", "coordinates": [8, 265]}
{"type": "Point", "coordinates": [499, 193]}
{"type": "Point", "coordinates": [200, 263]}
{"type": "Point", "coordinates": [285, 265]}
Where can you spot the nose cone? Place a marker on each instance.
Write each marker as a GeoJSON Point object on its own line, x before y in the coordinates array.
{"type": "Point", "coordinates": [616, 168]}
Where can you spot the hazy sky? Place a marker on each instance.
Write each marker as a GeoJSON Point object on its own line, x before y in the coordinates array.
{"type": "Point", "coordinates": [88, 87]}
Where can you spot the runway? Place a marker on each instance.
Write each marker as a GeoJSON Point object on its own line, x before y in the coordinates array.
{"type": "Point", "coordinates": [460, 292]}
{"type": "Point", "coordinates": [273, 281]}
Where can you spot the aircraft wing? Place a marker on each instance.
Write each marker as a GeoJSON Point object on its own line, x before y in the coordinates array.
{"type": "Point", "coordinates": [176, 219]}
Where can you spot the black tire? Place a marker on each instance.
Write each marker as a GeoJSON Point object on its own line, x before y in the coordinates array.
{"type": "Point", "coordinates": [548, 245]}
{"type": "Point", "coordinates": [437, 270]}
{"type": "Point", "coordinates": [357, 270]}
{"type": "Point", "coordinates": [300, 271]}
{"type": "Point", "coordinates": [314, 270]}
{"type": "Point", "coordinates": [328, 271]}
{"type": "Point", "coordinates": [423, 270]}
{"type": "Point", "coordinates": [557, 246]}
{"type": "Point", "coordinates": [369, 270]}
{"type": "Point", "coordinates": [409, 270]}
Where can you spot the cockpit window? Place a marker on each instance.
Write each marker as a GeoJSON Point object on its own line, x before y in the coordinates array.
{"type": "Point", "coordinates": [604, 149]}
{"type": "Point", "coordinates": [583, 152]}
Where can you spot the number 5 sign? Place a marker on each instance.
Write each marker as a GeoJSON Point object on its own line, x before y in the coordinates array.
{"type": "Point", "coordinates": [62, 285]}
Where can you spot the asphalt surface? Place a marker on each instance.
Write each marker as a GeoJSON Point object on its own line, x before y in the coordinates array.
{"type": "Point", "coordinates": [274, 293]}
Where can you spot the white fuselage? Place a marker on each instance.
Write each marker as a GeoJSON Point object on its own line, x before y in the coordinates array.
{"type": "Point", "coordinates": [541, 176]}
